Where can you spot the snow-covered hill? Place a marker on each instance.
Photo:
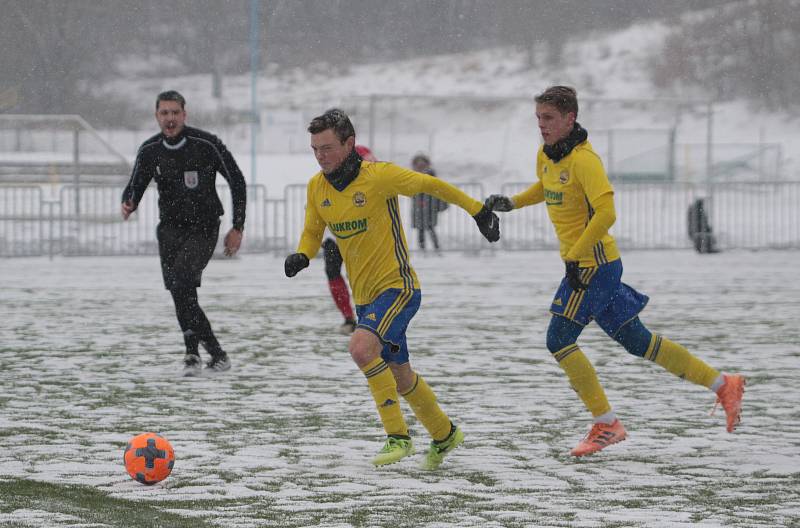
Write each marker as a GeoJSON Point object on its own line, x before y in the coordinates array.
{"type": "Point", "coordinates": [472, 136]}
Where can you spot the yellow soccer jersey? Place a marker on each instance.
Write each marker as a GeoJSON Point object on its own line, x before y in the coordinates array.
{"type": "Point", "coordinates": [572, 190]}
{"type": "Point", "coordinates": [365, 219]}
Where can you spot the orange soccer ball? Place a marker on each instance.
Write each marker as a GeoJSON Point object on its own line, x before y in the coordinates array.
{"type": "Point", "coordinates": [149, 458]}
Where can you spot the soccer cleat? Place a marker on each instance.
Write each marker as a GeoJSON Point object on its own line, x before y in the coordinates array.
{"type": "Point", "coordinates": [192, 366]}
{"type": "Point", "coordinates": [599, 437]}
{"type": "Point", "coordinates": [348, 327]}
{"type": "Point", "coordinates": [219, 363]}
{"type": "Point", "coordinates": [438, 450]}
{"type": "Point", "coordinates": [393, 450]}
{"type": "Point", "coordinates": [730, 396]}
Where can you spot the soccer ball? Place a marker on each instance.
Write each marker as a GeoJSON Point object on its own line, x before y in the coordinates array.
{"type": "Point", "coordinates": [149, 458]}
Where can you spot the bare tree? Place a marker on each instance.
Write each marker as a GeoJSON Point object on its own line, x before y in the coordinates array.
{"type": "Point", "coordinates": [56, 52]}
{"type": "Point", "coordinates": [743, 49]}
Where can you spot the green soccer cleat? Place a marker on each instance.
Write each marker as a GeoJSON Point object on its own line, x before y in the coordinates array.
{"type": "Point", "coordinates": [435, 455]}
{"type": "Point", "coordinates": [394, 450]}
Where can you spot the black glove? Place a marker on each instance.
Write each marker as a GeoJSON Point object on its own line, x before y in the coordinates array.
{"type": "Point", "coordinates": [574, 276]}
{"type": "Point", "coordinates": [488, 223]}
{"type": "Point", "coordinates": [498, 202]}
{"type": "Point", "coordinates": [294, 263]}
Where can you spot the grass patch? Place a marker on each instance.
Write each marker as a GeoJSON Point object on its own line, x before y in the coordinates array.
{"type": "Point", "coordinates": [87, 504]}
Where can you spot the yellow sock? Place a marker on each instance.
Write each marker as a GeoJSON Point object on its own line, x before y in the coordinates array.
{"type": "Point", "coordinates": [423, 402]}
{"type": "Point", "coordinates": [680, 361]}
{"type": "Point", "coordinates": [383, 387]}
{"type": "Point", "coordinates": [583, 378]}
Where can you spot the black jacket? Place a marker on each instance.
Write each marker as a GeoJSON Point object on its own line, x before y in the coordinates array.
{"type": "Point", "coordinates": [185, 169]}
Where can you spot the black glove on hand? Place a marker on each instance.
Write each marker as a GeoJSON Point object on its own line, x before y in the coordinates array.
{"type": "Point", "coordinates": [498, 202]}
{"type": "Point", "coordinates": [574, 276]}
{"type": "Point", "coordinates": [294, 263]}
{"type": "Point", "coordinates": [488, 223]}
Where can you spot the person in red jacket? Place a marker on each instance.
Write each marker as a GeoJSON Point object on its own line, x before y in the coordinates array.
{"type": "Point", "coordinates": [333, 268]}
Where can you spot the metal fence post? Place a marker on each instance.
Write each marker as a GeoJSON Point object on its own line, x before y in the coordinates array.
{"type": "Point", "coordinates": [372, 99]}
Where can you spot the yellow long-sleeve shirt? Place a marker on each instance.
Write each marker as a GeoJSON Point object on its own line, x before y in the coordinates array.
{"type": "Point", "coordinates": [365, 219]}
{"type": "Point", "coordinates": [580, 203]}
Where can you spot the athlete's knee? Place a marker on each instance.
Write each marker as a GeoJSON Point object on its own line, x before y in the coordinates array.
{"type": "Point", "coordinates": [184, 297]}
{"type": "Point", "coordinates": [556, 341]}
{"type": "Point", "coordinates": [364, 347]}
{"type": "Point", "coordinates": [404, 375]}
{"type": "Point", "coordinates": [561, 333]}
{"type": "Point", "coordinates": [634, 337]}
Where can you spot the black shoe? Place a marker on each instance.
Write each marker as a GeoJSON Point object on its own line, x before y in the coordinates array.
{"type": "Point", "coordinates": [348, 327]}
{"type": "Point", "coordinates": [219, 363]}
{"type": "Point", "coordinates": [192, 366]}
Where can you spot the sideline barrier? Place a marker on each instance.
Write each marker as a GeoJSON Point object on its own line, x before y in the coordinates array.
{"type": "Point", "coordinates": [69, 220]}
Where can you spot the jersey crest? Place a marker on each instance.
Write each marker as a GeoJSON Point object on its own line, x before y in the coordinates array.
{"type": "Point", "coordinates": [359, 199]}
{"type": "Point", "coordinates": [191, 179]}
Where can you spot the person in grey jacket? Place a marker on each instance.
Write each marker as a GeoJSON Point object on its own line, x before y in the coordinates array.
{"type": "Point", "coordinates": [425, 208]}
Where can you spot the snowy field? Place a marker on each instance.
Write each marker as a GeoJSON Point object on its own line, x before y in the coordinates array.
{"type": "Point", "coordinates": [90, 354]}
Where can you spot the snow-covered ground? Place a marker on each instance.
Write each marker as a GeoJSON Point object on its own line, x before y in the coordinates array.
{"type": "Point", "coordinates": [90, 353]}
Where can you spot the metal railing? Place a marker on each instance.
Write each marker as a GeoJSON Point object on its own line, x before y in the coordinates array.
{"type": "Point", "coordinates": [56, 149]}
{"type": "Point", "coordinates": [751, 215]}
{"type": "Point", "coordinates": [754, 215]}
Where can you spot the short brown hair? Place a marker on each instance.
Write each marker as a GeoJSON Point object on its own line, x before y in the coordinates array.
{"type": "Point", "coordinates": [170, 95]}
{"type": "Point", "coordinates": [335, 119]}
{"type": "Point", "coordinates": [564, 98]}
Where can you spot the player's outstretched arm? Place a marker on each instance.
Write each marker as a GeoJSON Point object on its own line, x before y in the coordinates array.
{"type": "Point", "coordinates": [530, 196]}
{"type": "Point", "coordinates": [499, 202]}
{"type": "Point", "coordinates": [408, 183]}
{"type": "Point", "coordinates": [294, 263]}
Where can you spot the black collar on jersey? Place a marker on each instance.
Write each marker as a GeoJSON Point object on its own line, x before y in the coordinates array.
{"type": "Point", "coordinates": [345, 173]}
{"type": "Point", "coordinates": [559, 150]}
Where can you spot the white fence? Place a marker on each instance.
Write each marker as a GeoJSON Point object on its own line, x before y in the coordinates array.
{"type": "Point", "coordinates": [86, 220]}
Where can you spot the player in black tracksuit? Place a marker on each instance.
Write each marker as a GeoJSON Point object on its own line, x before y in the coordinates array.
{"type": "Point", "coordinates": [184, 161]}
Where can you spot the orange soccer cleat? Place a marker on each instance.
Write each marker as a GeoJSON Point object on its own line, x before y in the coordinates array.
{"type": "Point", "coordinates": [599, 437]}
{"type": "Point", "coordinates": [730, 396]}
